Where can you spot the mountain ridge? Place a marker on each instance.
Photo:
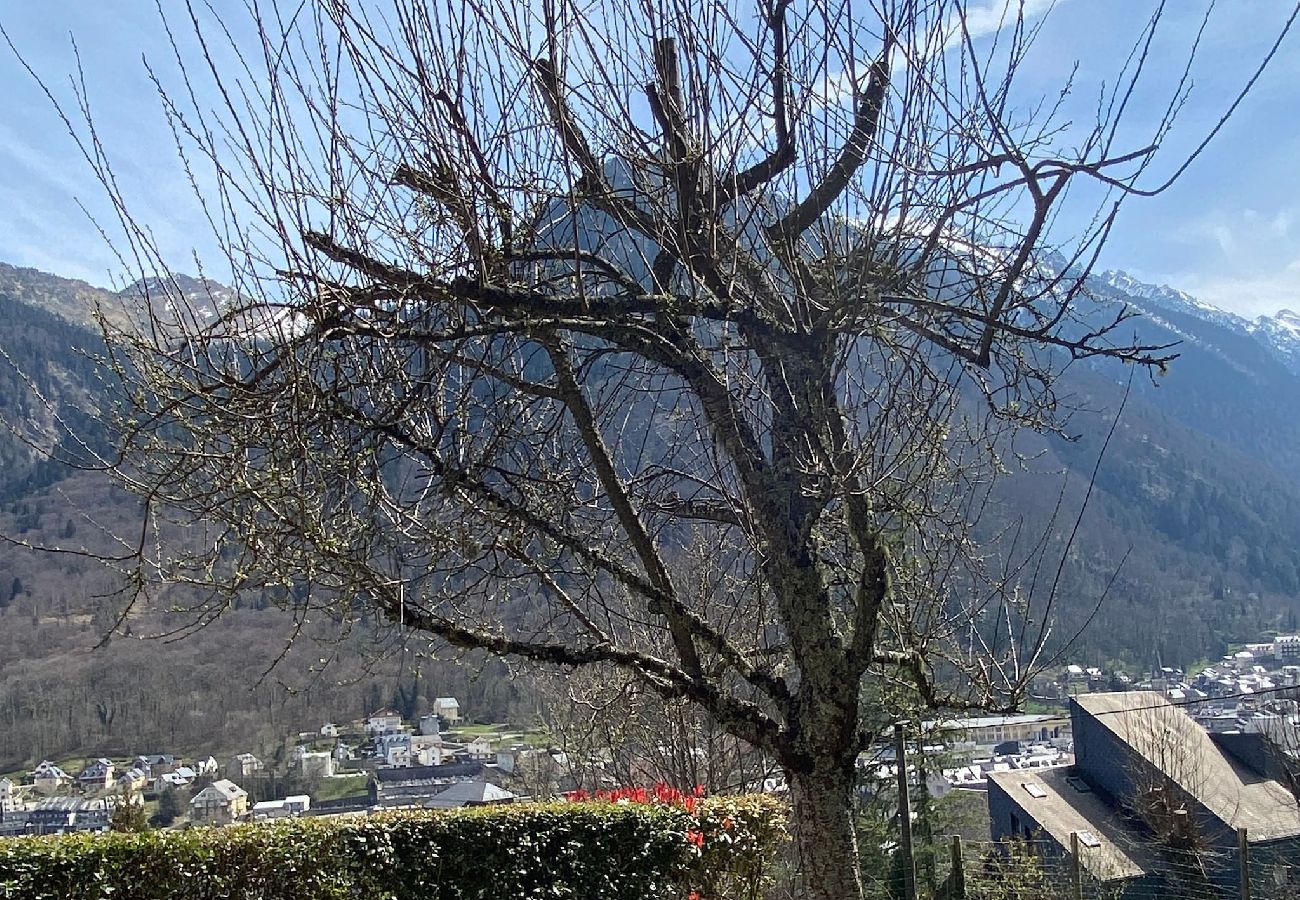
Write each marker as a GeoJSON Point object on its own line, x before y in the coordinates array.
{"type": "Point", "coordinates": [1187, 536]}
{"type": "Point", "coordinates": [1279, 333]}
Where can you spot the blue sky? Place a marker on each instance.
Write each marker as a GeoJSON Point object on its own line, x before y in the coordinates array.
{"type": "Point", "coordinates": [1229, 231]}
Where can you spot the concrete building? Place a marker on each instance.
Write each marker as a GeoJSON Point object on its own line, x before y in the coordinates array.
{"type": "Point", "coordinates": [988, 731]}
{"type": "Point", "coordinates": [1148, 781]}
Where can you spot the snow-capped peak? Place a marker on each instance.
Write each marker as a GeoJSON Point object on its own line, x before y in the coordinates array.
{"type": "Point", "coordinates": [1279, 334]}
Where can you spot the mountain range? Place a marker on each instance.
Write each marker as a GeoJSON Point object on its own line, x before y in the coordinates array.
{"type": "Point", "coordinates": [1188, 541]}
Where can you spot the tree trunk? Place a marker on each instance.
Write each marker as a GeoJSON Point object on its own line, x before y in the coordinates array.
{"type": "Point", "coordinates": [822, 816]}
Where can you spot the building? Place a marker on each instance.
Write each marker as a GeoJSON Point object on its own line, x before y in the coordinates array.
{"type": "Point", "coordinates": [988, 731]}
{"type": "Point", "coordinates": [394, 748]}
{"type": "Point", "coordinates": [8, 797]}
{"type": "Point", "coordinates": [183, 776]}
{"type": "Point", "coordinates": [519, 758]}
{"type": "Point", "coordinates": [383, 721]}
{"type": "Point", "coordinates": [220, 803]}
{"type": "Point", "coordinates": [432, 750]}
{"type": "Point", "coordinates": [448, 708]}
{"type": "Point", "coordinates": [243, 766]}
{"type": "Point", "coordinates": [50, 779]}
{"type": "Point", "coordinates": [414, 785]}
{"type": "Point", "coordinates": [1149, 782]}
{"type": "Point", "coordinates": [469, 793]}
{"type": "Point", "coordinates": [132, 780]}
{"type": "Point", "coordinates": [157, 763]}
{"type": "Point", "coordinates": [58, 815]}
{"type": "Point", "coordinates": [98, 775]}
{"type": "Point", "coordinates": [481, 748]}
{"type": "Point", "coordinates": [295, 805]}
{"type": "Point", "coordinates": [1286, 647]}
{"type": "Point", "coordinates": [317, 764]}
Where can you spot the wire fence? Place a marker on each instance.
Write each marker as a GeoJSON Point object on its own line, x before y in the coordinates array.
{"type": "Point", "coordinates": [953, 869]}
{"type": "Point", "coordinates": [1043, 870]}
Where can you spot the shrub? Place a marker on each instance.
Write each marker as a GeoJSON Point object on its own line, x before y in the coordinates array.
{"type": "Point", "coordinates": [611, 850]}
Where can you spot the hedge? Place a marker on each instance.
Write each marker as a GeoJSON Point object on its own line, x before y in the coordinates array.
{"type": "Point", "coordinates": [530, 851]}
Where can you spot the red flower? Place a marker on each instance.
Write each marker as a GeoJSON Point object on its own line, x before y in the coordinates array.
{"type": "Point", "coordinates": [694, 895]}
{"type": "Point", "coordinates": [663, 794]}
{"type": "Point", "coordinates": [696, 838]}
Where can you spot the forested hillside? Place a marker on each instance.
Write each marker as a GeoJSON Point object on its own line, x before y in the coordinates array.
{"type": "Point", "coordinates": [235, 685]}
{"type": "Point", "coordinates": [1188, 542]}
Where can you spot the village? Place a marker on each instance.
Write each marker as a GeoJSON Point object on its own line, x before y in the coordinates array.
{"type": "Point", "coordinates": [1253, 690]}
{"type": "Point", "coordinates": [437, 761]}
{"type": "Point", "coordinates": [441, 760]}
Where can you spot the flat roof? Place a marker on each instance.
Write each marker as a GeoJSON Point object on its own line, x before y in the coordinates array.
{"type": "Point", "coordinates": [1062, 809]}
{"type": "Point", "coordinates": [994, 721]}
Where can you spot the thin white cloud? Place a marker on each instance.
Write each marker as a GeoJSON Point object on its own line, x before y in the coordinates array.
{"type": "Point", "coordinates": [1246, 260]}
{"type": "Point", "coordinates": [990, 18]}
{"type": "Point", "coordinates": [1251, 296]}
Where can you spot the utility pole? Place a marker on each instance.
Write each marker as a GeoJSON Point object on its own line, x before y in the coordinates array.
{"type": "Point", "coordinates": [904, 811]}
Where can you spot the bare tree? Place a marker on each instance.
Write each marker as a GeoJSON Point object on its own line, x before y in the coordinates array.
{"type": "Point", "coordinates": [677, 338]}
{"type": "Point", "coordinates": [617, 731]}
{"type": "Point", "coordinates": [1165, 774]}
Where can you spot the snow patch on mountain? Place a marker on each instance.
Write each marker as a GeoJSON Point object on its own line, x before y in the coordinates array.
{"type": "Point", "coordinates": [1279, 335]}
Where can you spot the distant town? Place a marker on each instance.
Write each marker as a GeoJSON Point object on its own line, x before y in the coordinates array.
{"type": "Point", "coordinates": [442, 761]}
{"type": "Point", "coordinates": [381, 762]}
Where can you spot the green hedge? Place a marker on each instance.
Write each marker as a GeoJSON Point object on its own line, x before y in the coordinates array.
{"type": "Point", "coordinates": [517, 852]}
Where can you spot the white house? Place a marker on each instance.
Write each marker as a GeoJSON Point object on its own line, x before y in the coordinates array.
{"type": "Point", "coordinates": [329, 730]}
{"type": "Point", "coordinates": [432, 750]}
{"type": "Point", "coordinates": [8, 797]}
{"type": "Point", "coordinates": [279, 809]}
{"type": "Point", "coordinates": [383, 721]}
{"type": "Point", "coordinates": [448, 708]}
{"type": "Point", "coordinates": [480, 748]}
{"type": "Point", "coordinates": [183, 777]}
{"type": "Point", "coordinates": [206, 767]}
